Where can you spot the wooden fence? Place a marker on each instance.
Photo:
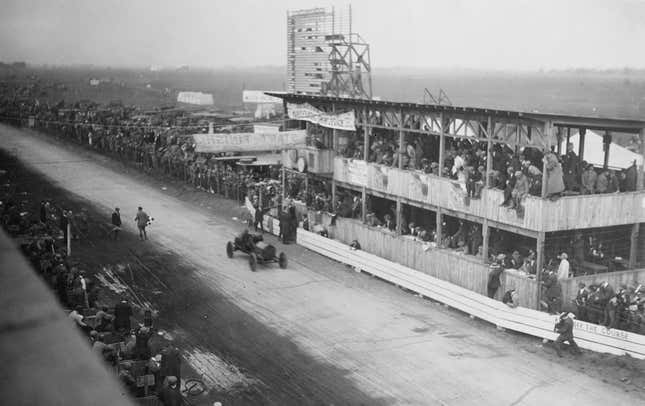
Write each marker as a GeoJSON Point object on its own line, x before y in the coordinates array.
{"type": "Point", "coordinates": [467, 271]}
{"type": "Point", "coordinates": [539, 324]}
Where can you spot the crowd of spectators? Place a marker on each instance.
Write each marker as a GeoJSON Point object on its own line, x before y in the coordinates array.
{"type": "Point", "coordinates": [116, 337]}
{"type": "Point", "coordinates": [517, 172]}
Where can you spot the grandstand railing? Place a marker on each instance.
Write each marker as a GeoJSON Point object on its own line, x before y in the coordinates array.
{"type": "Point", "coordinates": [566, 213]}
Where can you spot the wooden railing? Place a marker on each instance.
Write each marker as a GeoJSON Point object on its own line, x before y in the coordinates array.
{"type": "Point", "coordinates": [587, 211]}
{"type": "Point", "coordinates": [527, 321]}
{"type": "Point", "coordinates": [571, 212]}
{"type": "Point", "coordinates": [466, 271]}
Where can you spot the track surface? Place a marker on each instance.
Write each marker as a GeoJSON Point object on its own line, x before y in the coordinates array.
{"type": "Point", "coordinates": [316, 333]}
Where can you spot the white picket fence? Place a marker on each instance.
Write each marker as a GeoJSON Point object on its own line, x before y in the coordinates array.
{"type": "Point", "coordinates": [589, 336]}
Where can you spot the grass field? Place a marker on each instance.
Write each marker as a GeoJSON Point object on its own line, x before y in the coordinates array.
{"type": "Point", "coordinates": [616, 94]}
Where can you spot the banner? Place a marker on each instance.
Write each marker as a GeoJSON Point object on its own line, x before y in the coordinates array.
{"type": "Point", "coordinates": [357, 172]}
{"type": "Point", "coordinates": [259, 97]}
{"type": "Point", "coordinates": [307, 112]}
{"type": "Point", "coordinates": [243, 142]}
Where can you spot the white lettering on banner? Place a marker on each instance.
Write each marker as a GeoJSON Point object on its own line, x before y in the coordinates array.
{"type": "Point", "coordinates": [240, 142]}
{"type": "Point", "coordinates": [601, 330]}
{"type": "Point", "coordinates": [305, 111]}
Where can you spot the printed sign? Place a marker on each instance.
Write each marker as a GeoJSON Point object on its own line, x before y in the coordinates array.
{"type": "Point", "coordinates": [243, 142]}
{"type": "Point", "coordinates": [259, 97]}
{"type": "Point", "coordinates": [307, 112]}
{"type": "Point", "coordinates": [357, 172]}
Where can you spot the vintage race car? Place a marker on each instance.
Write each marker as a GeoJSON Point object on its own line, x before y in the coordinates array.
{"type": "Point", "coordinates": [258, 250]}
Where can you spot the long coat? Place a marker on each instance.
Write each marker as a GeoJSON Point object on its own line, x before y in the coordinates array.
{"type": "Point", "coordinates": [554, 180]}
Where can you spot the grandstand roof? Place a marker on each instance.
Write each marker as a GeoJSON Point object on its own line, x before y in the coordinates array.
{"type": "Point", "coordinates": [559, 120]}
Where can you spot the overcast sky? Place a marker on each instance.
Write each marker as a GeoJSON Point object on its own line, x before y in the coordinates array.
{"type": "Point", "coordinates": [494, 34]}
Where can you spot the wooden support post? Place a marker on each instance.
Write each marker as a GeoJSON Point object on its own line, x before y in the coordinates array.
{"type": "Point", "coordinates": [334, 132]}
{"type": "Point", "coordinates": [399, 215]}
{"type": "Point", "coordinates": [568, 138]}
{"type": "Point", "coordinates": [485, 238]}
{"type": "Point", "coordinates": [633, 247]}
{"type": "Point", "coordinates": [606, 143]}
{"type": "Point", "coordinates": [547, 134]}
{"type": "Point", "coordinates": [284, 184]}
{"type": "Point", "coordinates": [581, 143]}
{"type": "Point", "coordinates": [69, 238]}
{"type": "Point", "coordinates": [333, 195]}
{"type": "Point", "coordinates": [285, 115]}
{"type": "Point", "coordinates": [439, 232]}
{"type": "Point", "coordinates": [366, 134]}
{"type": "Point", "coordinates": [401, 142]}
{"type": "Point", "coordinates": [539, 264]}
{"type": "Point", "coordinates": [490, 130]}
{"type": "Point", "coordinates": [306, 188]}
{"type": "Point", "coordinates": [442, 142]}
{"type": "Point", "coordinates": [364, 204]}
{"type": "Point", "coordinates": [559, 138]}
{"type": "Point", "coordinates": [640, 172]}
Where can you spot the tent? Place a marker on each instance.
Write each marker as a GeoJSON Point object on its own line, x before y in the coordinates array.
{"type": "Point", "coordinates": [594, 153]}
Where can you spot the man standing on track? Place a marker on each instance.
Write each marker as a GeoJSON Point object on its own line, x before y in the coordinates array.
{"type": "Point", "coordinates": [116, 223]}
{"type": "Point", "coordinates": [142, 220]}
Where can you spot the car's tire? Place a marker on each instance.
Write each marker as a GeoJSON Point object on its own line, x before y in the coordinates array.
{"type": "Point", "coordinates": [229, 249]}
{"type": "Point", "coordinates": [253, 261]}
{"type": "Point", "coordinates": [282, 260]}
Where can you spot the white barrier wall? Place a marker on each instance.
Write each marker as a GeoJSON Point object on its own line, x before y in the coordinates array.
{"type": "Point", "coordinates": [589, 336]}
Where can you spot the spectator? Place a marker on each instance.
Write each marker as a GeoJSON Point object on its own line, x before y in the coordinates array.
{"type": "Point", "coordinates": [515, 261]}
{"type": "Point", "coordinates": [570, 165]}
{"type": "Point", "coordinates": [589, 179]}
{"type": "Point", "coordinates": [116, 223]}
{"type": "Point", "coordinates": [122, 314]}
{"type": "Point", "coordinates": [530, 263]}
{"type": "Point", "coordinates": [602, 182]}
{"type": "Point", "coordinates": [563, 268]}
{"type": "Point", "coordinates": [581, 301]}
{"type": "Point", "coordinates": [553, 293]}
{"type": "Point", "coordinates": [520, 190]}
{"type": "Point", "coordinates": [493, 279]}
{"type": "Point", "coordinates": [554, 181]}
{"type": "Point", "coordinates": [511, 298]}
{"type": "Point", "coordinates": [170, 394]}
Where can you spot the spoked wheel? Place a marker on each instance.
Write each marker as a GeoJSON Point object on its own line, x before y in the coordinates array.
{"type": "Point", "coordinates": [253, 262]}
{"type": "Point", "coordinates": [282, 260]}
{"type": "Point", "coordinates": [229, 249]}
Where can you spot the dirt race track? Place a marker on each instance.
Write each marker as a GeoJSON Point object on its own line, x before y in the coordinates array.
{"type": "Point", "coordinates": [317, 332]}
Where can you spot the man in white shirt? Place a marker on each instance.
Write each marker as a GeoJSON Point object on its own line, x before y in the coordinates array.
{"type": "Point", "coordinates": [563, 269]}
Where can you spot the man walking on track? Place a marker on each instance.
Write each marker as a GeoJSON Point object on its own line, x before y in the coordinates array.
{"type": "Point", "coordinates": [116, 223]}
{"type": "Point", "coordinates": [142, 220]}
{"type": "Point", "coordinates": [565, 330]}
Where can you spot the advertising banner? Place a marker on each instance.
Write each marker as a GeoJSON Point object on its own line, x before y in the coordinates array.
{"type": "Point", "coordinates": [259, 97]}
{"type": "Point", "coordinates": [357, 172]}
{"type": "Point", "coordinates": [305, 111]}
{"type": "Point", "coordinates": [246, 142]}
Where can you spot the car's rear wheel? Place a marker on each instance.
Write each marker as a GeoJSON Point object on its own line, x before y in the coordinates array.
{"type": "Point", "coordinates": [253, 262]}
{"type": "Point", "coordinates": [229, 249]}
{"type": "Point", "coordinates": [282, 260]}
